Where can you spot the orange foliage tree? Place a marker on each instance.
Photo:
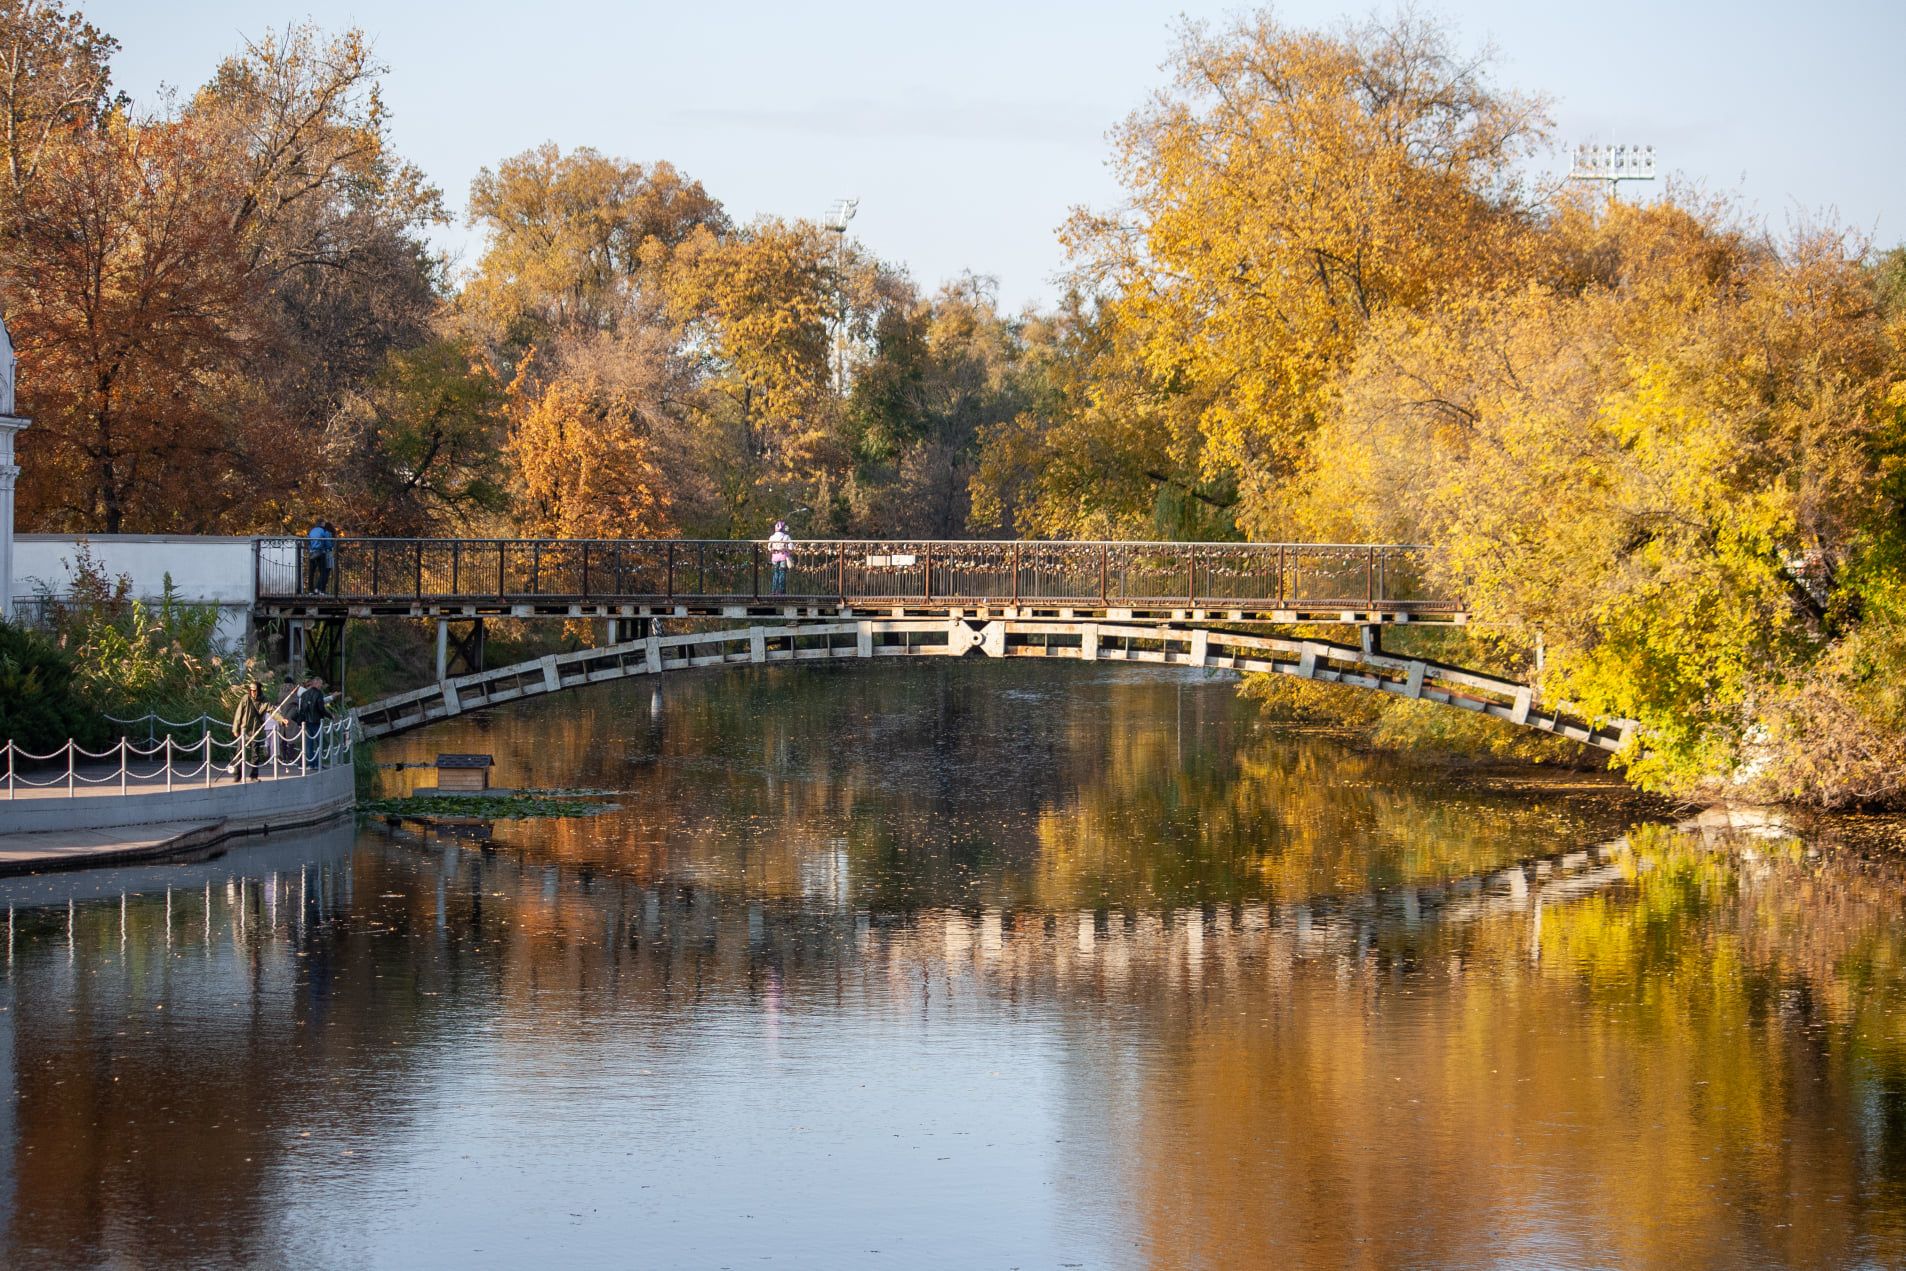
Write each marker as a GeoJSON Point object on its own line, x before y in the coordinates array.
{"type": "Point", "coordinates": [124, 305]}
{"type": "Point", "coordinates": [173, 280]}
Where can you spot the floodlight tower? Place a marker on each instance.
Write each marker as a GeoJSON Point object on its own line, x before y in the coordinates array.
{"type": "Point", "coordinates": [838, 214]}
{"type": "Point", "coordinates": [1612, 165]}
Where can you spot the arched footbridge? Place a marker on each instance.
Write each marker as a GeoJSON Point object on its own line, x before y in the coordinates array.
{"type": "Point", "coordinates": [1090, 641]}
{"type": "Point", "coordinates": [1153, 603]}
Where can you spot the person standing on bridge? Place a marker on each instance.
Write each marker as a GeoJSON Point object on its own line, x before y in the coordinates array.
{"type": "Point", "coordinates": [780, 555]}
{"type": "Point", "coordinates": [319, 543]}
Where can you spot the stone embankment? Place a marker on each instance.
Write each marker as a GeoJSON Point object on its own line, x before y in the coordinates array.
{"type": "Point", "coordinates": [46, 829]}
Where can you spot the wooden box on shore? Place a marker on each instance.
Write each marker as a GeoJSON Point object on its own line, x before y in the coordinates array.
{"type": "Point", "coordinates": [463, 774]}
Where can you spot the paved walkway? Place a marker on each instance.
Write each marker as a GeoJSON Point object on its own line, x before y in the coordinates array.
{"type": "Point", "coordinates": [97, 778]}
{"type": "Point", "coordinates": [78, 849]}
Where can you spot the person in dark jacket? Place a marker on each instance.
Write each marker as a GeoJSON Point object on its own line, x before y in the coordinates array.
{"type": "Point", "coordinates": [248, 723]}
{"type": "Point", "coordinates": [312, 712]}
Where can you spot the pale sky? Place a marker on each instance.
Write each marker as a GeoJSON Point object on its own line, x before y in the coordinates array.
{"type": "Point", "coordinates": [968, 129]}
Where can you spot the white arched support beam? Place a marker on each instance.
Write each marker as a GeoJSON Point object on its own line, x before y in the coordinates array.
{"type": "Point", "coordinates": [923, 637]}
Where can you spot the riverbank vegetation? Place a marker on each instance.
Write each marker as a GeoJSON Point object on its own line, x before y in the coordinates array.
{"type": "Point", "coordinates": [100, 663]}
{"type": "Point", "coordinates": [1657, 446]}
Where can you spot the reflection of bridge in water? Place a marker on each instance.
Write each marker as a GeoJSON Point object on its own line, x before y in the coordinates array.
{"type": "Point", "coordinates": [1147, 603]}
{"type": "Point", "coordinates": [703, 933]}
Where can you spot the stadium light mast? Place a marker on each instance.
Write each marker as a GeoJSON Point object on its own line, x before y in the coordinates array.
{"type": "Point", "coordinates": [838, 215]}
{"type": "Point", "coordinates": [1612, 165]}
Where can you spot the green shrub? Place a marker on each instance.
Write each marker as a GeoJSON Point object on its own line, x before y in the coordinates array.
{"type": "Point", "coordinates": [41, 701]}
{"type": "Point", "coordinates": [129, 658]}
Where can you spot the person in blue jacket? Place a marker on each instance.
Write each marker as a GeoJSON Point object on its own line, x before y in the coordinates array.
{"type": "Point", "coordinates": [321, 542]}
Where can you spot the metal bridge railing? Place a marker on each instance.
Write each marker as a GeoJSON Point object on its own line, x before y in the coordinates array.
{"type": "Point", "coordinates": [1207, 575]}
{"type": "Point", "coordinates": [167, 764]}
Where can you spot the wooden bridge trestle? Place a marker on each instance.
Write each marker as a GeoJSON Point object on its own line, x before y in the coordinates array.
{"type": "Point", "coordinates": [1361, 666]}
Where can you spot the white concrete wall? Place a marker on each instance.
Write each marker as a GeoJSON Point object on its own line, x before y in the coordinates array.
{"type": "Point", "coordinates": [204, 570]}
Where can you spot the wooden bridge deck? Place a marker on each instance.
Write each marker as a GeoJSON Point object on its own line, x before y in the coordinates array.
{"type": "Point", "coordinates": [842, 579]}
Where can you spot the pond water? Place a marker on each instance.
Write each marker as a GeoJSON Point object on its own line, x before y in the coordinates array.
{"type": "Point", "coordinates": [964, 965]}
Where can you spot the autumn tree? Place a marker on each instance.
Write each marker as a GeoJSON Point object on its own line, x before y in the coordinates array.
{"type": "Point", "coordinates": [55, 80]}
{"type": "Point", "coordinates": [941, 372]}
{"type": "Point", "coordinates": [566, 236]}
{"type": "Point", "coordinates": [329, 221]}
{"type": "Point", "coordinates": [1103, 449]}
{"type": "Point", "coordinates": [417, 449]}
{"type": "Point", "coordinates": [194, 291]}
{"type": "Point", "coordinates": [1285, 189]}
{"type": "Point", "coordinates": [753, 311]}
{"type": "Point", "coordinates": [586, 465]}
{"type": "Point", "coordinates": [125, 303]}
{"type": "Point", "coordinates": [1664, 474]}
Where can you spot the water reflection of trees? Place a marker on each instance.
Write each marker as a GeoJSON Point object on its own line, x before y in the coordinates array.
{"type": "Point", "coordinates": [1303, 1009]}
{"type": "Point", "coordinates": [1702, 1053]}
{"type": "Point", "coordinates": [1011, 785]}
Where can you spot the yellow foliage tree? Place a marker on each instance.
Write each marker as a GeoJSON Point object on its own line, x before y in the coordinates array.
{"type": "Point", "coordinates": [753, 313]}
{"type": "Point", "coordinates": [567, 233]}
{"type": "Point", "coordinates": [587, 471]}
{"type": "Point", "coordinates": [1659, 475]}
{"type": "Point", "coordinates": [1288, 188]}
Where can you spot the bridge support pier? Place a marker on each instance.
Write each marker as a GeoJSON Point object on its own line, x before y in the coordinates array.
{"type": "Point", "coordinates": [315, 646]}
{"type": "Point", "coordinates": [459, 654]}
{"type": "Point", "coordinates": [629, 630]}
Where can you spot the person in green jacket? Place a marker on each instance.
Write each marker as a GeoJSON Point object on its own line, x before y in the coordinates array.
{"type": "Point", "coordinates": [248, 723]}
